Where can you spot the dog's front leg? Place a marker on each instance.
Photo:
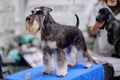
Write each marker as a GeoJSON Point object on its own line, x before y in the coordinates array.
{"type": "Point", "coordinates": [72, 56]}
{"type": "Point", "coordinates": [48, 61]}
{"type": "Point", "coordinates": [117, 50]}
{"type": "Point", "coordinates": [61, 67]}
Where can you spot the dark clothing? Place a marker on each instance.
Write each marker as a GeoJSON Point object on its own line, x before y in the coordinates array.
{"type": "Point", "coordinates": [1, 77]}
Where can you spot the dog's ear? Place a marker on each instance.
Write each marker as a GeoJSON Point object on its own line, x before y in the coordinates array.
{"type": "Point", "coordinates": [107, 11]}
{"type": "Point", "coordinates": [45, 10]}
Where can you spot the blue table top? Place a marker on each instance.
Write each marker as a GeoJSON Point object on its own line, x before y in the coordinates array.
{"type": "Point", "coordinates": [96, 72]}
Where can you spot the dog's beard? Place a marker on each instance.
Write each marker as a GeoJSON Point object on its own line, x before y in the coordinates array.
{"type": "Point", "coordinates": [32, 28]}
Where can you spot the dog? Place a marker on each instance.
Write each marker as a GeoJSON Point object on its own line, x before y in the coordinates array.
{"type": "Point", "coordinates": [54, 39]}
{"type": "Point", "coordinates": [112, 26]}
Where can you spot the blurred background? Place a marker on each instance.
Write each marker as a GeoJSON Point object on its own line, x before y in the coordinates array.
{"type": "Point", "coordinates": [20, 50]}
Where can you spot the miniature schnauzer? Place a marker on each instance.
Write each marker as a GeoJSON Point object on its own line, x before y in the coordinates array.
{"type": "Point", "coordinates": [54, 39]}
{"type": "Point", "coordinates": [112, 26]}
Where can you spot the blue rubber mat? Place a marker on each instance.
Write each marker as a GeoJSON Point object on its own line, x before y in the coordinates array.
{"type": "Point", "coordinates": [96, 72]}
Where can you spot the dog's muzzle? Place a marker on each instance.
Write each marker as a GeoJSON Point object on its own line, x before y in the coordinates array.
{"type": "Point", "coordinates": [33, 24]}
{"type": "Point", "coordinates": [99, 19]}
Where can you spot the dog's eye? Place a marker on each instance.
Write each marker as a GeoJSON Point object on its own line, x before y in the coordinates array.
{"type": "Point", "coordinates": [32, 12]}
{"type": "Point", "coordinates": [39, 12]}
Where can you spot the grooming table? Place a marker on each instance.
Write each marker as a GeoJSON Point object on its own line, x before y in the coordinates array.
{"type": "Point", "coordinates": [96, 72]}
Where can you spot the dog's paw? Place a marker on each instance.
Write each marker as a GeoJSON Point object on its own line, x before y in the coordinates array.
{"type": "Point", "coordinates": [61, 73]}
{"type": "Point", "coordinates": [88, 65]}
{"type": "Point", "coordinates": [72, 64]}
{"type": "Point", "coordinates": [47, 71]}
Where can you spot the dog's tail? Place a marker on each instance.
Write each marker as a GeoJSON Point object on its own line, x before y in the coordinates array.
{"type": "Point", "coordinates": [77, 18]}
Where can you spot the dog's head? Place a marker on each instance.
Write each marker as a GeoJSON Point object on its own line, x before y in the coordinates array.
{"type": "Point", "coordinates": [34, 21]}
{"type": "Point", "coordinates": [103, 15]}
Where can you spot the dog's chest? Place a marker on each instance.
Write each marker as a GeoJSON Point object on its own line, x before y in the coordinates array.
{"type": "Point", "coordinates": [50, 44]}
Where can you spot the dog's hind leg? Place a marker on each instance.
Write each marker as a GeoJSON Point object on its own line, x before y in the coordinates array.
{"type": "Point", "coordinates": [89, 62]}
{"type": "Point", "coordinates": [48, 63]}
{"type": "Point", "coordinates": [81, 46]}
{"type": "Point", "coordinates": [89, 59]}
{"type": "Point", "coordinates": [61, 61]}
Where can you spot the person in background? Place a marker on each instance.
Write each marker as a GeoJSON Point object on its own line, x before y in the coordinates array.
{"type": "Point", "coordinates": [100, 2]}
{"type": "Point", "coordinates": [101, 44]}
{"type": "Point", "coordinates": [102, 50]}
{"type": "Point", "coordinates": [1, 77]}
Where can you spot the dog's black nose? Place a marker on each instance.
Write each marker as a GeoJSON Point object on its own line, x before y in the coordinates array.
{"type": "Point", "coordinates": [28, 18]}
{"type": "Point", "coordinates": [99, 19]}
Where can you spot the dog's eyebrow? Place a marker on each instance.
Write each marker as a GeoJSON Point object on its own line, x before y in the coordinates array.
{"type": "Point", "coordinates": [37, 9]}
